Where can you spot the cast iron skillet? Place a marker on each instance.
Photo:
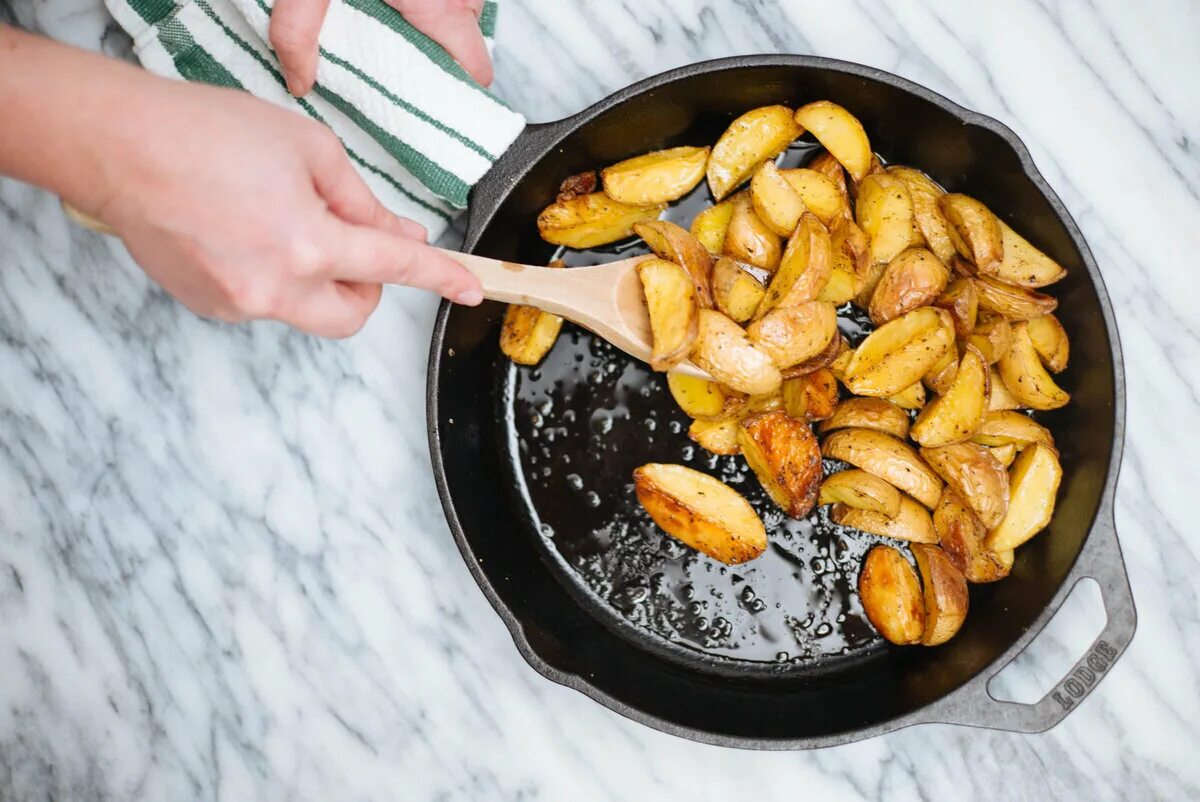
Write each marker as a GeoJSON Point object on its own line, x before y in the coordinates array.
{"type": "Point", "coordinates": [573, 574]}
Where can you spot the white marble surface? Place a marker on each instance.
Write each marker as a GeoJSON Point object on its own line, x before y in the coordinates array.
{"type": "Point", "coordinates": [224, 573]}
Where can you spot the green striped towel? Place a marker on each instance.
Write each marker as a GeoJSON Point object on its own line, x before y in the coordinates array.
{"type": "Point", "coordinates": [420, 131]}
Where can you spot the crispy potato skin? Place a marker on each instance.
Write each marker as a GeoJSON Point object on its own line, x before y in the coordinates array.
{"type": "Point", "coordinates": [913, 279]}
{"type": "Point", "coordinates": [750, 140]}
{"type": "Point", "coordinates": [1035, 476]}
{"type": "Point", "coordinates": [884, 210]}
{"type": "Point", "coordinates": [962, 302]}
{"type": "Point", "coordinates": [586, 221]}
{"type": "Point", "coordinates": [911, 522]}
{"type": "Point", "coordinates": [725, 353]}
{"type": "Point", "coordinates": [867, 413]}
{"type": "Point", "coordinates": [1026, 378]}
{"type": "Point", "coordinates": [1012, 302]}
{"type": "Point", "coordinates": [961, 535]}
{"type": "Point", "coordinates": [860, 490]}
{"type": "Point", "coordinates": [941, 376]}
{"type": "Point", "coordinates": [676, 244]}
{"type": "Point", "coordinates": [783, 453]}
{"type": "Point", "coordinates": [671, 301]}
{"type": "Point", "coordinates": [579, 184]}
{"type": "Point", "coordinates": [891, 596]}
{"type": "Point", "coordinates": [898, 353]}
{"type": "Point", "coordinates": [792, 334]}
{"type": "Point", "coordinates": [656, 177]}
{"type": "Point", "coordinates": [887, 457]}
{"type": "Point", "coordinates": [825, 358]}
{"type": "Point", "coordinates": [975, 475]}
{"type": "Point", "coordinates": [840, 132]}
{"type": "Point", "coordinates": [748, 239]}
{"type": "Point", "coordinates": [812, 396]}
{"type": "Point", "coordinates": [946, 598]}
{"type": "Point", "coordinates": [974, 230]}
{"type": "Point", "coordinates": [1006, 427]}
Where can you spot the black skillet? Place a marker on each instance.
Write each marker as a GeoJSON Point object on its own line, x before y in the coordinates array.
{"type": "Point", "coordinates": [533, 465]}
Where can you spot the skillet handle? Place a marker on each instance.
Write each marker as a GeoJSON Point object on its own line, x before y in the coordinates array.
{"type": "Point", "coordinates": [975, 706]}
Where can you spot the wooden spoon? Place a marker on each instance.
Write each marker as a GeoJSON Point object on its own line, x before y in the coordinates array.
{"type": "Point", "coordinates": [606, 299]}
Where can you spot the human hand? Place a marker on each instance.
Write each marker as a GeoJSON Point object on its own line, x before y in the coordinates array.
{"type": "Point", "coordinates": [453, 24]}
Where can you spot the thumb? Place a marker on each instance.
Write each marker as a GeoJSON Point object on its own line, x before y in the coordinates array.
{"type": "Point", "coordinates": [371, 256]}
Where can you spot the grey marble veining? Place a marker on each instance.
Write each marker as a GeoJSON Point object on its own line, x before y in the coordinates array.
{"type": "Point", "coordinates": [224, 572]}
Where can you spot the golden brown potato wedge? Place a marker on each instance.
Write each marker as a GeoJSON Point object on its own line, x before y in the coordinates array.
{"type": "Point", "coordinates": [1012, 302]}
{"type": "Point", "coordinates": [958, 413]}
{"type": "Point", "coordinates": [867, 413]}
{"type": "Point", "coordinates": [777, 204]}
{"type": "Point", "coordinates": [941, 376]}
{"type": "Point", "coordinates": [961, 535]}
{"type": "Point", "coordinates": [911, 522]}
{"type": "Point", "coordinates": [725, 353]}
{"type": "Point", "coordinates": [671, 302]}
{"type": "Point", "coordinates": [700, 511]}
{"type": "Point", "coordinates": [840, 132]}
{"type": "Point", "coordinates": [962, 302]}
{"type": "Point", "coordinates": [573, 186]}
{"type": "Point", "coordinates": [851, 262]}
{"type": "Point", "coordinates": [842, 286]}
{"type": "Point", "coordinates": [975, 475]}
{"type": "Point", "coordinates": [812, 396]}
{"type": "Point", "coordinates": [821, 194]}
{"type": "Point", "coordinates": [586, 221]}
{"type": "Point", "coordinates": [974, 230]}
{"type": "Point", "coordinates": [699, 398]}
{"type": "Point", "coordinates": [792, 334]}
{"type": "Point", "coordinates": [784, 455]}
{"type": "Point", "coordinates": [875, 169]}
{"type": "Point", "coordinates": [1001, 398]}
{"type": "Point", "coordinates": [717, 435]}
{"type": "Point", "coordinates": [913, 279]}
{"type": "Point", "coordinates": [911, 397]}
{"type": "Point", "coordinates": [1024, 264]}
{"type": "Point", "coordinates": [656, 177]}
{"type": "Point", "coordinates": [750, 140]}
{"type": "Point", "coordinates": [929, 218]}
{"type": "Point", "coordinates": [946, 597]}
{"type": "Point", "coordinates": [992, 338]}
{"type": "Point", "coordinates": [528, 333]}
{"type": "Point", "coordinates": [1035, 477]}
{"type": "Point", "coordinates": [891, 596]}
{"type": "Point", "coordinates": [736, 292]}
{"type": "Point", "coordinates": [710, 225]}
{"type": "Point", "coordinates": [887, 457]}
{"type": "Point", "coordinates": [825, 164]}
{"type": "Point", "coordinates": [868, 283]}
{"type": "Point", "coordinates": [1004, 454]}
{"type": "Point", "coordinates": [884, 209]}
{"type": "Point", "coordinates": [748, 239]}
{"type": "Point", "coordinates": [839, 364]}
{"type": "Point", "coordinates": [1005, 427]}
{"type": "Point", "coordinates": [898, 353]}
{"type": "Point", "coordinates": [1026, 378]}
{"type": "Point", "coordinates": [861, 491]}
{"type": "Point", "coordinates": [837, 344]}
{"type": "Point", "coordinates": [676, 244]}
{"type": "Point", "coordinates": [1049, 339]}
{"type": "Point", "coordinates": [804, 268]}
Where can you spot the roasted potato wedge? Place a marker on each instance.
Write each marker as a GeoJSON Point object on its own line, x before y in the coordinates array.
{"type": "Point", "coordinates": [825, 164]}
{"type": "Point", "coordinates": [1026, 378]}
{"type": "Point", "coordinates": [884, 210]}
{"type": "Point", "coordinates": [1005, 427]}
{"type": "Point", "coordinates": [837, 344]}
{"type": "Point", "coordinates": [962, 302]}
{"type": "Point", "coordinates": [528, 333]}
{"type": "Point", "coordinates": [671, 302]}
{"type": "Point", "coordinates": [750, 140]}
{"type": "Point", "coordinates": [929, 218]}
{"type": "Point", "coordinates": [992, 338]}
{"type": "Point", "coordinates": [656, 177]}
{"type": "Point", "coordinates": [812, 396]}
{"type": "Point", "coordinates": [700, 511]}
{"type": "Point", "coordinates": [958, 413]}
{"type": "Point", "coordinates": [975, 475]}
{"type": "Point", "coordinates": [891, 596]}
{"type": "Point", "coordinates": [974, 230]}
{"type": "Point", "coordinates": [911, 397]}
{"type": "Point", "coordinates": [840, 132]}
{"type": "Point", "coordinates": [851, 262]}
{"type": "Point", "coordinates": [699, 398]}
{"type": "Point", "coordinates": [868, 283]}
{"type": "Point", "coordinates": [710, 225]}
{"type": "Point", "coordinates": [821, 194]}
{"type": "Point", "coordinates": [804, 268]}
{"type": "Point", "coordinates": [911, 522]}
{"type": "Point", "coordinates": [867, 413]}
{"type": "Point", "coordinates": [887, 457]}
{"type": "Point", "coordinates": [586, 221]}
{"type": "Point", "coordinates": [1049, 339]}
{"type": "Point", "coordinates": [898, 353]}
{"type": "Point", "coordinates": [736, 292]}
{"type": "Point", "coordinates": [1004, 454]}
{"type": "Point", "coordinates": [1012, 302]}
{"type": "Point", "coordinates": [941, 376]}
{"type": "Point", "coordinates": [914, 278]}
{"type": "Point", "coordinates": [1001, 399]}
{"type": "Point", "coordinates": [861, 491]}
{"type": "Point", "coordinates": [792, 334]}
{"type": "Point", "coordinates": [839, 364]}
{"type": "Point", "coordinates": [777, 204]}
{"type": "Point", "coordinates": [676, 244]}
{"type": "Point", "coordinates": [946, 597]}
{"type": "Point", "coordinates": [1034, 478]}
{"type": "Point", "coordinates": [716, 435]}
{"type": "Point", "coordinates": [784, 455]}
{"type": "Point", "coordinates": [748, 239]}
{"type": "Point", "coordinates": [1024, 264]}
{"type": "Point", "coordinates": [961, 535]}
{"type": "Point", "coordinates": [573, 186]}
{"type": "Point", "coordinates": [725, 353]}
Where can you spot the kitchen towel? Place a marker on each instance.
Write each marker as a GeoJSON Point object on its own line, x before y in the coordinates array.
{"type": "Point", "coordinates": [417, 127]}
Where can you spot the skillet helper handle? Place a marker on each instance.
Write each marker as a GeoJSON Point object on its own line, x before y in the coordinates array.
{"type": "Point", "coordinates": [1102, 562]}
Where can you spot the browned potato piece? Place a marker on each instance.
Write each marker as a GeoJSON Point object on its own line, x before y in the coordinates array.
{"type": "Point", "coordinates": [528, 333]}
{"type": "Point", "coordinates": [839, 364]}
{"type": "Point", "coordinates": [1026, 378]}
{"type": "Point", "coordinates": [941, 376]}
{"type": "Point", "coordinates": [898, 353]}
{"type": "Point", "coordinates": [1024, 264]}
{"type": "Point", "coordinates": [840, 132]}
{"type": "Point", "coordinates": [717, 436]}
{"type": "Point", "coordinates": [867, 413]}
{"type": "Point", "coordinates": [1001, 398]}
{"type": "Point", "coordinates": [825, 164]}
{"type": "Point", "coordinates": [586, 221]}
{"type": "Point", "coordinates": [579, 184]}
{"type": "Point", "coordinates": [861, 491]}
{"type": "Point", "coordinates": [735, 291]}
{"type": "Point", "coordinates": [656, 177]}
{"type": "Point", "coordinates": [700, 511]}
{"type": "Point", "coordinates": [911, 522]}
{"type": "Point", "coordinates": [671, 302]}
{"type": "Point", "coordinates": [961, 536]}
{"type": "Point", "coordinates": [1049, 339]}
{"type": "Point", "coordinates": [911, 397]}
{"type": "Point", "coordinates": [783, 454]}
{"type": "Point", "coordinates": [676, 244]}
{"type": "Point", "coordinates": [699, 398]}
{"type": "Point", "coordinates": [804, 268]}
{"type": "Point", "coordinates": [958, 413]}
{"type": "Point", "coordinates": [1004, 454]}
{"type": "Point", "coordinates": [913, 279]}
{"type": "Point", "coordinates": [868, 283]}
{"type": "Point", "coordinates": [777, 204]}
{"type": "Point", "coordinates": [992, 338]}
{"type": "Point", "coordinates": [974, 230]}
{"type": "Point", "coordinates": [891, 596]}
{"type": "Point", "coordinates": [724, 352]}
{"type": "Point", "coordinates": [975, 475]}
{"type": "Point", "coordinates": [888, 458]}
{"type": "Point", "coordinates": [884, 209]}
{"type": "Point", "coordinates": [837, 344]}
{"type": "Point", "coordinates": [929, 218]}
{"type": "Point", "coordinates": [820, 193]}
{"type": "Point", "coordinates": [710, 225]}
{"type": "Point", "coordinates": [750, 140]}
{"type": "Point", "coordinates": [792, 334]}
{"type": "Point", "coordinates": [851, 262]}
{"type": "Point", "coordinates": [812, 396]}
{"type": "Point", "coordinates": [946, 596]}
{"type": "Point", "coordinates": [1005, 427]}
{"type": "Point", "coordinates": [962, 302]}
{"type": "Point", "coordinates": [1012, 302]}
{"type": "Point", "coordinates": [1035, 477]}
{"type": "Point", "coordinates": [748, 239]}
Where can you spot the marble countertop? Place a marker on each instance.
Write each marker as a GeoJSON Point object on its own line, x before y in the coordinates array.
{"type": "Point", "coordinates": [225, 572]}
